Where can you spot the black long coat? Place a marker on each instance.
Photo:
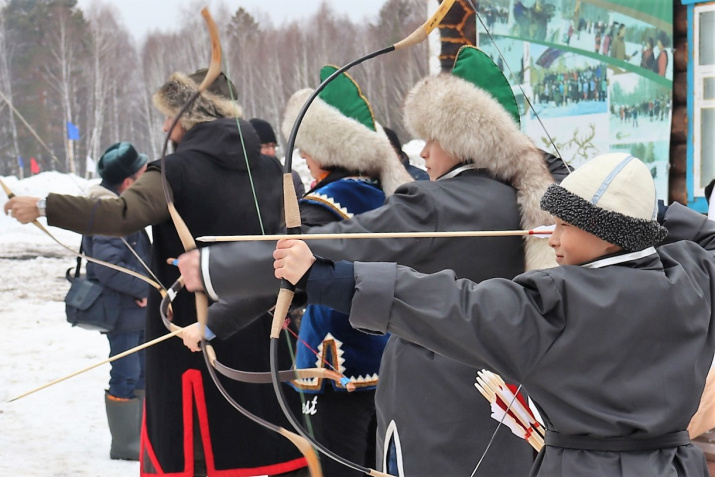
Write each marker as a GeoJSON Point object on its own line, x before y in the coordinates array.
{"type": "Point", "coordinates": [213, 194]}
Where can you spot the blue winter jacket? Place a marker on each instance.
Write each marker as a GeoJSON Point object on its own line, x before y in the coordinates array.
{"type": "Point", "coordinates": [121, 287]}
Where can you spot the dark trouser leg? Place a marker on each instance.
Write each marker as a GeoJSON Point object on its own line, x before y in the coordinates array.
{"type": "Point", "coordinates": [126, 373]}
{"type": "Point", "coordinates": [342, 423]}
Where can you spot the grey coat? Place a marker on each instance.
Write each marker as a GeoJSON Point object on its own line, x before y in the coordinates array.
{"type": "Point", "coordinates": [443, 423]}
{"type": "Point", "coordinates": [619, 350]}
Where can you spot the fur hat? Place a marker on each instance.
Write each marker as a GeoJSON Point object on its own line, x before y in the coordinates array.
{"type": "Point", "coordinates": [339, 130]}
{"type": "Point", "coordinates": [612, 197]}
{"type": "Point", "coordinates": [118, 162]}
{"type": "Point", "coordinates": [214, 103]}
{"type": "Point", "coordinates": [469, 123]}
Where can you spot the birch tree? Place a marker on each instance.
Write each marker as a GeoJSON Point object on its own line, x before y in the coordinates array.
{"type": "Point", "coordinates": [64, 46]}
{"type": "Point", "coordinates": [6, 54]}
{"type": "Point", "coordinates": [105, 53]}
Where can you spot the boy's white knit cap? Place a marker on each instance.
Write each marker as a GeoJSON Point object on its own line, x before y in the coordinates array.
{"type": "Point", "coordinates": [613, 197]}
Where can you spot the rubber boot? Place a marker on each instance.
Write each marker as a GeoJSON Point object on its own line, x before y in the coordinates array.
{"type": "Point", "coordinates": [122, 416]}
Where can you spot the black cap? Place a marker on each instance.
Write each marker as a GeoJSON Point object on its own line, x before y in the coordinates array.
{"type": "Point", "coordinates": [394, 140]}
{"type": "Point", "coordinates": [264, 130]}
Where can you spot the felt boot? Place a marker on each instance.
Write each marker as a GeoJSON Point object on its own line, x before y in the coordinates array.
{"type": "Point", "coordinates": [122, 416]}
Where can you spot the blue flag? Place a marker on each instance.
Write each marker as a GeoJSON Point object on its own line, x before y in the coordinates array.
{"type": "Point", "coordinates": [72, 132]}
{"type": "Point", "coordinates": [19, 162]}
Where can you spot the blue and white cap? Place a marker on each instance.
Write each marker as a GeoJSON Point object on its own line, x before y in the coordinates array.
{"type": "Point", "coordinates": [612, 197]}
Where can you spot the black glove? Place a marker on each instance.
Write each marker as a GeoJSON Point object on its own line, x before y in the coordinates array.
{"type": "Point", "coordinates": [303, 282]}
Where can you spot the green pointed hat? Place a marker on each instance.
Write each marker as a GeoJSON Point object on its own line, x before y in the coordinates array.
{"type": "Point", "coordinates": [344, 94]}
{"type": "Point", "coordinates": [473, 65]}
{"type": "Point", "coordinates": [467, 111]}
{"type": "Point", "coordinates": [339, 130]}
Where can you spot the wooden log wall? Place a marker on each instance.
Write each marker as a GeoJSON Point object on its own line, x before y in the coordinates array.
{"type": "Point", "coordinates": [458, 28]}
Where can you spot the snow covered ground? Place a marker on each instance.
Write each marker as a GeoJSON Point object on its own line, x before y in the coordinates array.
{"type": "Point", "coordinates": [62, 430]}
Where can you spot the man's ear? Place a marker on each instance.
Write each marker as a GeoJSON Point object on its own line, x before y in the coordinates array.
{"type": "Point", "coordinates": [125, 184]}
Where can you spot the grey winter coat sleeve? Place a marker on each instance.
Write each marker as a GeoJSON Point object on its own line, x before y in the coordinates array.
{"type": "Point", "coordinates": [471, 323]}
{"type": "Point", "coordinates": [241, 274]}
{"type": "Point", "coordinates": [246, 269]}
{"type": "Point", "coordinates": [686, 224]}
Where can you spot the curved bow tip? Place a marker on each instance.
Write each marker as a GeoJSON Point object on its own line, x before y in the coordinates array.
{"type": "Point", "coordinates": [306, 449]}
{"type": "Point", "coordinates": [215, 65]}
{"type": "Point", "coordinates": [421, 33]}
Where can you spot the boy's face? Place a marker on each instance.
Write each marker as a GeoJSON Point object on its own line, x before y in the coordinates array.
{"type": "Point", "coordinates": [437, 161]}
{"type": "Point", "coordinates": [575, 246]}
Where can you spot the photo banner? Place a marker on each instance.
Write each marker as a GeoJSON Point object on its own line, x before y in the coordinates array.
{"type": "Point", "coordinates": [598, 73]}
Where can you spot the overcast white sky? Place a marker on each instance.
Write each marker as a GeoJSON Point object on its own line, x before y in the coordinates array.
{"type": "Point", "coordinates": [142, 16]}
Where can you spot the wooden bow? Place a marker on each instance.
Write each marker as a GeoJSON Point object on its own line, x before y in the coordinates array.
{"type": "Point", "coordinates": [293, 225]}
{"type": "Point", "coordinates": [248, 376]}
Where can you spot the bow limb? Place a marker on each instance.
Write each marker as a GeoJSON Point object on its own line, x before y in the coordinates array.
{"type": "Point", "coordinates": [189, 244]}
{"type": "Point", "coordinates": [246, 376]}
{"type": "Point", "coordinates": [421, 33]}
{"type": "Point", "coordinates": [182, 229]}
{"type": "Point", "coordinates": [160, 288]}
{"type": "Point", "coordinates": [293, 225]}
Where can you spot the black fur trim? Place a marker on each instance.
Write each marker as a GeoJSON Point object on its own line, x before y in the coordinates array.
{"type": "Point", "coordinates": [628, 232]}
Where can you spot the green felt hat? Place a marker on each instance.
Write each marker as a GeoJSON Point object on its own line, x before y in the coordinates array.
{"type": "Point", "coordinates": [119, 161]}
{"type": "Point", "coordinates": [344, 94]}
{"type": "Point", "coordinates": [473, 65]}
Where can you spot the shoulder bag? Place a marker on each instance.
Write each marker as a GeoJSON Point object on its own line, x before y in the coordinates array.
{"type": "Point", "coordinates": [87, 303]}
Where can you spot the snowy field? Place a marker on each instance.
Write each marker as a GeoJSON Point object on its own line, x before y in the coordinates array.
{"type": "Point", "coordinates": [62, 430]}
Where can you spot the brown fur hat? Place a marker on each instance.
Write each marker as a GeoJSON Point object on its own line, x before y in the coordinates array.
{"type": "Point", "coordinates": [471, 125]}
{"type": "Point", "coordinates": [214, 103]}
